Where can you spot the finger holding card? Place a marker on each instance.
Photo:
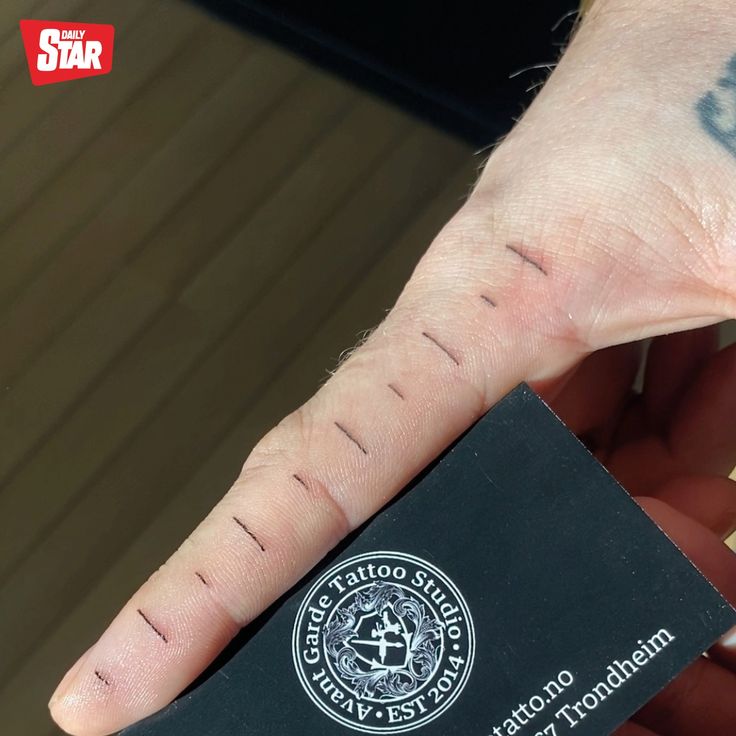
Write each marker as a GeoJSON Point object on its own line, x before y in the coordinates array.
{"type": "Point", "coordinates": [565, 619]}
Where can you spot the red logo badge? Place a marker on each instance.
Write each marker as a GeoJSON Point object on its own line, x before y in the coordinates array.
{"type": "Point", "coordinates": [58, 51]}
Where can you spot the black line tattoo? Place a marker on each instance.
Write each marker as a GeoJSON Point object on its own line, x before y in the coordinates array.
{"type": "Point", "coordinates": [441, 347]}
{"type": "Point", "coordinates": [300, 480]}
{"type": "Point", "coordinates": [717, 109]}
{"type": "Point", "coordinates": [488, 300]}
{"type": "Point", "coordinates": [396, 391]}
{"type": "Point", "coordinates": [524, 257]}
{"type": "Point", "coordinates": [249, 533]}
{"type": "Point", "coordinates": [202, 578]}
{"type": "Point", "coordinates": [151, 624]}
{"type": "Point", "coordinates": [102, 678]}
{"type": "Point", "coordinates": [351, 438]}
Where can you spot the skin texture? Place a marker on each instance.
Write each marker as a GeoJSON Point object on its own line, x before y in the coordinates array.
{"type": "Point", "coordinates": [605, 216]}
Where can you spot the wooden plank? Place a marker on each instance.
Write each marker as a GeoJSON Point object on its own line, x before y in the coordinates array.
{"type": "Point", "coordinates": [301, 134]}
{"type": "Point", "coordinates": [89, 105]}
{"type": "Point", "coordinates": [168, 446]}
{"type": "Point", "coordinates": [23, 698]}
{"type": "Point", "coordinates": [161, 185]}
{"type": "Point", "coordinates": [32, 105]}
{"type": "Point", "coordinates": [13, 10]}
{"type": "Point", "coordinates": [181, 88]}
{"type": "Point", "coordinates": [167, 349]}
{"type": "Point", "coordinates": [72, 362]}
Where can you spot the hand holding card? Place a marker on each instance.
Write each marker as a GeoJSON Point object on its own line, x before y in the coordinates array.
{"type": "Point", "coordinates": [515, 588]}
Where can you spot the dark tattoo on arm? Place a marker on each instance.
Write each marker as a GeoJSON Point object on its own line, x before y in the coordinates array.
{"type": "Point", "coordinates": [717, 109]}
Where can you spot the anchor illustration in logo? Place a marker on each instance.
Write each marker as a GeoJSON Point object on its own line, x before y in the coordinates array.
{"type": "Point", "coordinates": [383, 643]}
{"type": "Point", "coordinates": [386, 643]}
{"type": "Point", "coordinates": [379, 634]}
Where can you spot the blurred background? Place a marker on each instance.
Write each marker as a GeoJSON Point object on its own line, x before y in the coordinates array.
{"type": "Point", "coordinates": [187, 244]}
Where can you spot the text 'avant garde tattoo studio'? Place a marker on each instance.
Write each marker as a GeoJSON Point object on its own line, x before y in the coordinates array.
{"type": "Point", "coordinates": [383, 642]}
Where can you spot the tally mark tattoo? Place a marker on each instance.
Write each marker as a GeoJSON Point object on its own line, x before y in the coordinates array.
{"type": "Point", "coordinates": [717, 109]}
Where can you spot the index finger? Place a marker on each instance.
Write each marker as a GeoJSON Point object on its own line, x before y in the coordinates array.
{"type": "Point", "coordinates": [450, 348]}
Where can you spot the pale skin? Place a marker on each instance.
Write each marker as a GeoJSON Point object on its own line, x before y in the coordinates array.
{"type": "Point", "coordinates": [606, 216]}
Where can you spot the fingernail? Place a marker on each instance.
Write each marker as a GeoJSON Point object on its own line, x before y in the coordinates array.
{"type": "Point", "coordinates": [729, 639]}
{"type": "Point", "coordinates": [68, 678]}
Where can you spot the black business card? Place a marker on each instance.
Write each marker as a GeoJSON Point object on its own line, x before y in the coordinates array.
{"type": "Point", "coordinates": [515, 589]}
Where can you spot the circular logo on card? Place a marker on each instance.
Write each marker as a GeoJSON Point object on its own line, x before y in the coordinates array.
{"type": "Point", "coordinates": [383, 642]}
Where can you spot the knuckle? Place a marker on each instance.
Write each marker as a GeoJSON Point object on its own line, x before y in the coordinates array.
{"type": "Point", "coordinates": [282, 444]}
{"type": "Point", "coordinates": [285, 450]}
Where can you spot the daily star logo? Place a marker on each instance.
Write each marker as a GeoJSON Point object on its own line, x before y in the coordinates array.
{"type": "Point", "coordinates": [58, 51]}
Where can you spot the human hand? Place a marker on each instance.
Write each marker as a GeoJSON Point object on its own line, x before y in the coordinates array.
{"type": "Point", "coordinates": [672, 446]}
{"type": "Point", "coordinates": [606, 216]}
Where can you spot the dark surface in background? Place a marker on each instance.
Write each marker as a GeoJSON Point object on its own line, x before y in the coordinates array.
{"type": "Point", "coordinates": [448, 62]}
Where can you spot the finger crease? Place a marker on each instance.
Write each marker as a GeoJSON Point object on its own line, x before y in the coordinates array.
{"type": "Point", "coordinates": [249, 533]}
{"type": "Point", "coordinates": [441, 347]}
{"type": "Point", "coordinates": [339, 512]}
{"type": "Point", "coordinates": [230, 616]}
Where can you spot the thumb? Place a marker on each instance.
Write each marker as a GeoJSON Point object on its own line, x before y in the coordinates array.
{"type": "Point", "coordinates": [461, 335]}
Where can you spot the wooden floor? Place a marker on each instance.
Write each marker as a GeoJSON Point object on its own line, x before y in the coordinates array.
{"type": "Point", "coordinates": [185, 247]}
